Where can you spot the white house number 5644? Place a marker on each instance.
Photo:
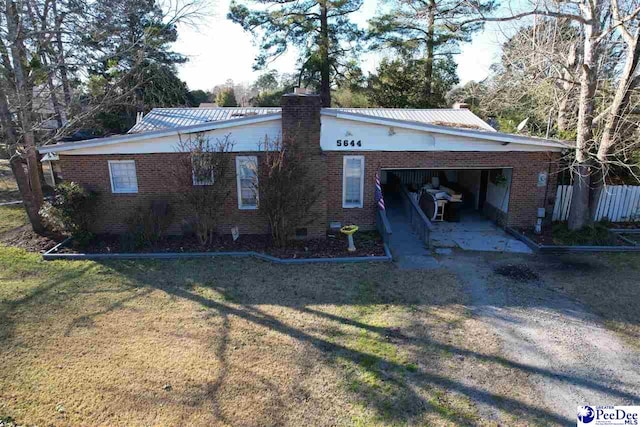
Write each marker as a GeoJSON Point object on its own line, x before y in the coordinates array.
{"type": "Point", "coordinates": [347, 143]}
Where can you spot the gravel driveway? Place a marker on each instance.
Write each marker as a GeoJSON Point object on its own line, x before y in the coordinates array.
{"type": "Point", "coordinates": [569, 357]}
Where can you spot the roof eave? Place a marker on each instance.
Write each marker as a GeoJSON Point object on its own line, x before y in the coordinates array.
{"type": "Point", "coordinates": [222, 124]}
{"type": "Point", "coordinates": [477, 134]}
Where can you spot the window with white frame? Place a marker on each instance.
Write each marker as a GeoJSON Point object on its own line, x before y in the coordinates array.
{"type": "Point", "coordinates": [247, 176]}
{"type": "Point", "coordinates": [123, 176]}
{"type": "Point", "coordinates": [203, 172]}
{"type": "Point", "coordinates": [352, 181]}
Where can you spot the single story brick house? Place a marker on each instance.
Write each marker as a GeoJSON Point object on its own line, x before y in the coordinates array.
{"type": "Point", "coordinates": [348, 146]}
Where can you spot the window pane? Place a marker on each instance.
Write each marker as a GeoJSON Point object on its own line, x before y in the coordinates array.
{"type": "Point", "coordinates": [123, 177]}
{"type": "Point", "coordinates": [247, 168]}
{"type": "Point", "coordinates": [247, 181]}
{"type": "Point", "coordinates": [247, 191]}
{"type": "Point", "coordinates": [203, 172]}
{"type": "Point", "coordinates": [353, 176]}
{"type": "Point", "coordinates": [353, 167]}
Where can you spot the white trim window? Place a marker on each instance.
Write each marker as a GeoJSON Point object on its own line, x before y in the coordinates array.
{"type": "Point", "coordinates": [247, 181]}
{"type": "Point", "coordinates": [352, 181]}
{"type": "Point", "coordinates": [202, 171]}
{"type": "Point", "coordinates": [123, 177]}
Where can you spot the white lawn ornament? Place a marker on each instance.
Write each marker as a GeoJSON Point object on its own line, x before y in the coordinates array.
{"type": "Point", "coordinates": [522, 125]}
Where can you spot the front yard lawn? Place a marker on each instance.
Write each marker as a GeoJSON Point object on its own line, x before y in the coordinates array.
{"type": "Point", "coordinates": [8, 188]}
{"type": "Point", "coordinates": [245, 342]}
{"type": "Point", "coordinates": [12, 217]}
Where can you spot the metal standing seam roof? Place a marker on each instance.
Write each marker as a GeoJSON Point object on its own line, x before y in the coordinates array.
{"type": "Point", "coordinates": [169, 118]}
{"type": "Point", "coordinates": [202, 123]}
{"type": "Point", "coordinates": [440, 116]}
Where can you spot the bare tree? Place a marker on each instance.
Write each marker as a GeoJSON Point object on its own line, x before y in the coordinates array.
{"type": "Point", "coordinates": [19, 90]}
{"type": "Point", "coordinates": [40, 52]}
{"type": "Point", "coordinates": [598, 21]}
{"type": "Point", "coordinates": [205, 176]}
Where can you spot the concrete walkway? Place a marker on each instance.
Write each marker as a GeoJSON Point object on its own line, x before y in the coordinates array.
{"type": "Point", "coordinates": [407, 248]}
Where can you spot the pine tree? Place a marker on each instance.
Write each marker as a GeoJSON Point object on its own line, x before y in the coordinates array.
{"type": "Point", "coordinates": [427, 30]}
{"type": "Point", "coordinates": [401, 83]}
{"type": "Point", "coordinates": [320, 29]}
{"type": "Point", "coordinates": [129, 42]}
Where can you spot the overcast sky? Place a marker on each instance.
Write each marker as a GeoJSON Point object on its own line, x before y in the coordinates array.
{"type": "Point", "coordinates": [219, 50]}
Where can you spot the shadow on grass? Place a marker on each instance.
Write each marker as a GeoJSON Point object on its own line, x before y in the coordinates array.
{"type": "Point", "coordinates": [36, 298]}
{"type": "Point", "coordinates": [245, 285]}
{"type": "Point", "coordinates": [395, 401]}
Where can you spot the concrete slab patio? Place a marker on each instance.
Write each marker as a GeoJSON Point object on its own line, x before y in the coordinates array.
{"type": "Point", "coordinates": [475, 233]}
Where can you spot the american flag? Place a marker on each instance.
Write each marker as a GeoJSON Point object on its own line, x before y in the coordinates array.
{"type": "Point", "coordinates": [379, 198]}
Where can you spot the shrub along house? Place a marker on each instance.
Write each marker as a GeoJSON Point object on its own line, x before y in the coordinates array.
{"type": "Point", "coordinates": [507, 177]}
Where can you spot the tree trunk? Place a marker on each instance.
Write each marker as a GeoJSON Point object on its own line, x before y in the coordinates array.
{"type": "Point", "coordinates": [597, 184]}
{"type": "Point", "coordinates": [31, 205]}
{"type": "Point", "coordinates": [325, 66]}
{"type": "Point", "coordinates": [52, 89]}
{"type": "Point", "coordinates": [428, 63]}
{"type": "Point", "coordinates": [614, 119]}
{"type": "Point", "coordinates": [621, 99]}
{"type": "Point", "coordinates": [62, 65]}
{"type": "Point", "coordinates": [579, 214]}
{"type": "Point", "coordinates": [17, 165]}
{"type": "Point", "coordinates": [31, 188]}
{"type": "Point", "coordinates": [567, 87]}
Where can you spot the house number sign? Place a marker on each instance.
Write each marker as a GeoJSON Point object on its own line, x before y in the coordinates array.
{"type": "Point", "coordinates": [348, 143]}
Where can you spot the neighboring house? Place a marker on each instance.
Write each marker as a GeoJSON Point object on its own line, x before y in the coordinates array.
{"type": "Point", "coordinates": [349, 146]}
{"type": "Point", "coordinates": [51, 169]}
{"type": "Point", "coordinates": [44, 112]}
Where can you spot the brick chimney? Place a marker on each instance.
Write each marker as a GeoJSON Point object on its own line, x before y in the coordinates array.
{"type": "Point", "coordinates": [301, 126]}
{"type": "Point", "coordinates": [301, 119]}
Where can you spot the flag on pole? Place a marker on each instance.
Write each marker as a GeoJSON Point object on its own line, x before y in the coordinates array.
{"type": "Point", "coordinates": [379, 197]}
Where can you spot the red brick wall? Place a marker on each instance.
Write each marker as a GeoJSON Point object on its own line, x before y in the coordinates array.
{"type": "Point", "coordinates": [525, 196]}
{"type": "Point", "coordinates": [156, 181]}
{"type": "Point", "coordinates": [301, 124]}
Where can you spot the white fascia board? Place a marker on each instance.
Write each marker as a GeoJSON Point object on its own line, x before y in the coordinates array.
{"type": "Point", "coordinates": [490, 136]}
{"type": "Point", "coordinates": [159, 134]}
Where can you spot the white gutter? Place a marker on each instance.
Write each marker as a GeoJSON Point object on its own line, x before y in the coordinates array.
{"type": "Point", "coordinates": [469, 133]}
{"type": "Point", "coordinates": [222, 124]}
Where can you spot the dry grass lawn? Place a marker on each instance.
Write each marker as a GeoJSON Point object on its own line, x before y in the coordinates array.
{"type": "Point", "coordinates": [8, 187]}
{"type": "Point", "coordinates": [608, 284]}
{"type": "Point", "coordinates": [12, 217]}
{"type": "Point", "coordinates": [244, 342]}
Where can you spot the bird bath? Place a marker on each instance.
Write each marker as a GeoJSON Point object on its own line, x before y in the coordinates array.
{"type": "Point", "coordinates": [349, 230]}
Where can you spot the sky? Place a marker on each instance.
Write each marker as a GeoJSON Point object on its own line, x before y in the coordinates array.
{"type": "Point", "coordinates": [219, 50]}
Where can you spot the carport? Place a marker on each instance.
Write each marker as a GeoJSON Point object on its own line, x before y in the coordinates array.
{"type": "Point", "coordinates": [465, 206]}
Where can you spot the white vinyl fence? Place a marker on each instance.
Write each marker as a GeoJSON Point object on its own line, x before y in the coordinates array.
{"type": "Point", "coordinates": [618, 203]}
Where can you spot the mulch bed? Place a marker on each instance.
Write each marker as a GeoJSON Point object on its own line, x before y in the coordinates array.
{"type": "Point", "coordinates": [24, 238]}
{"type": "Point", "coordinates": [547, 238]}
{"type": "Point", "coordinates": [367, 244]}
